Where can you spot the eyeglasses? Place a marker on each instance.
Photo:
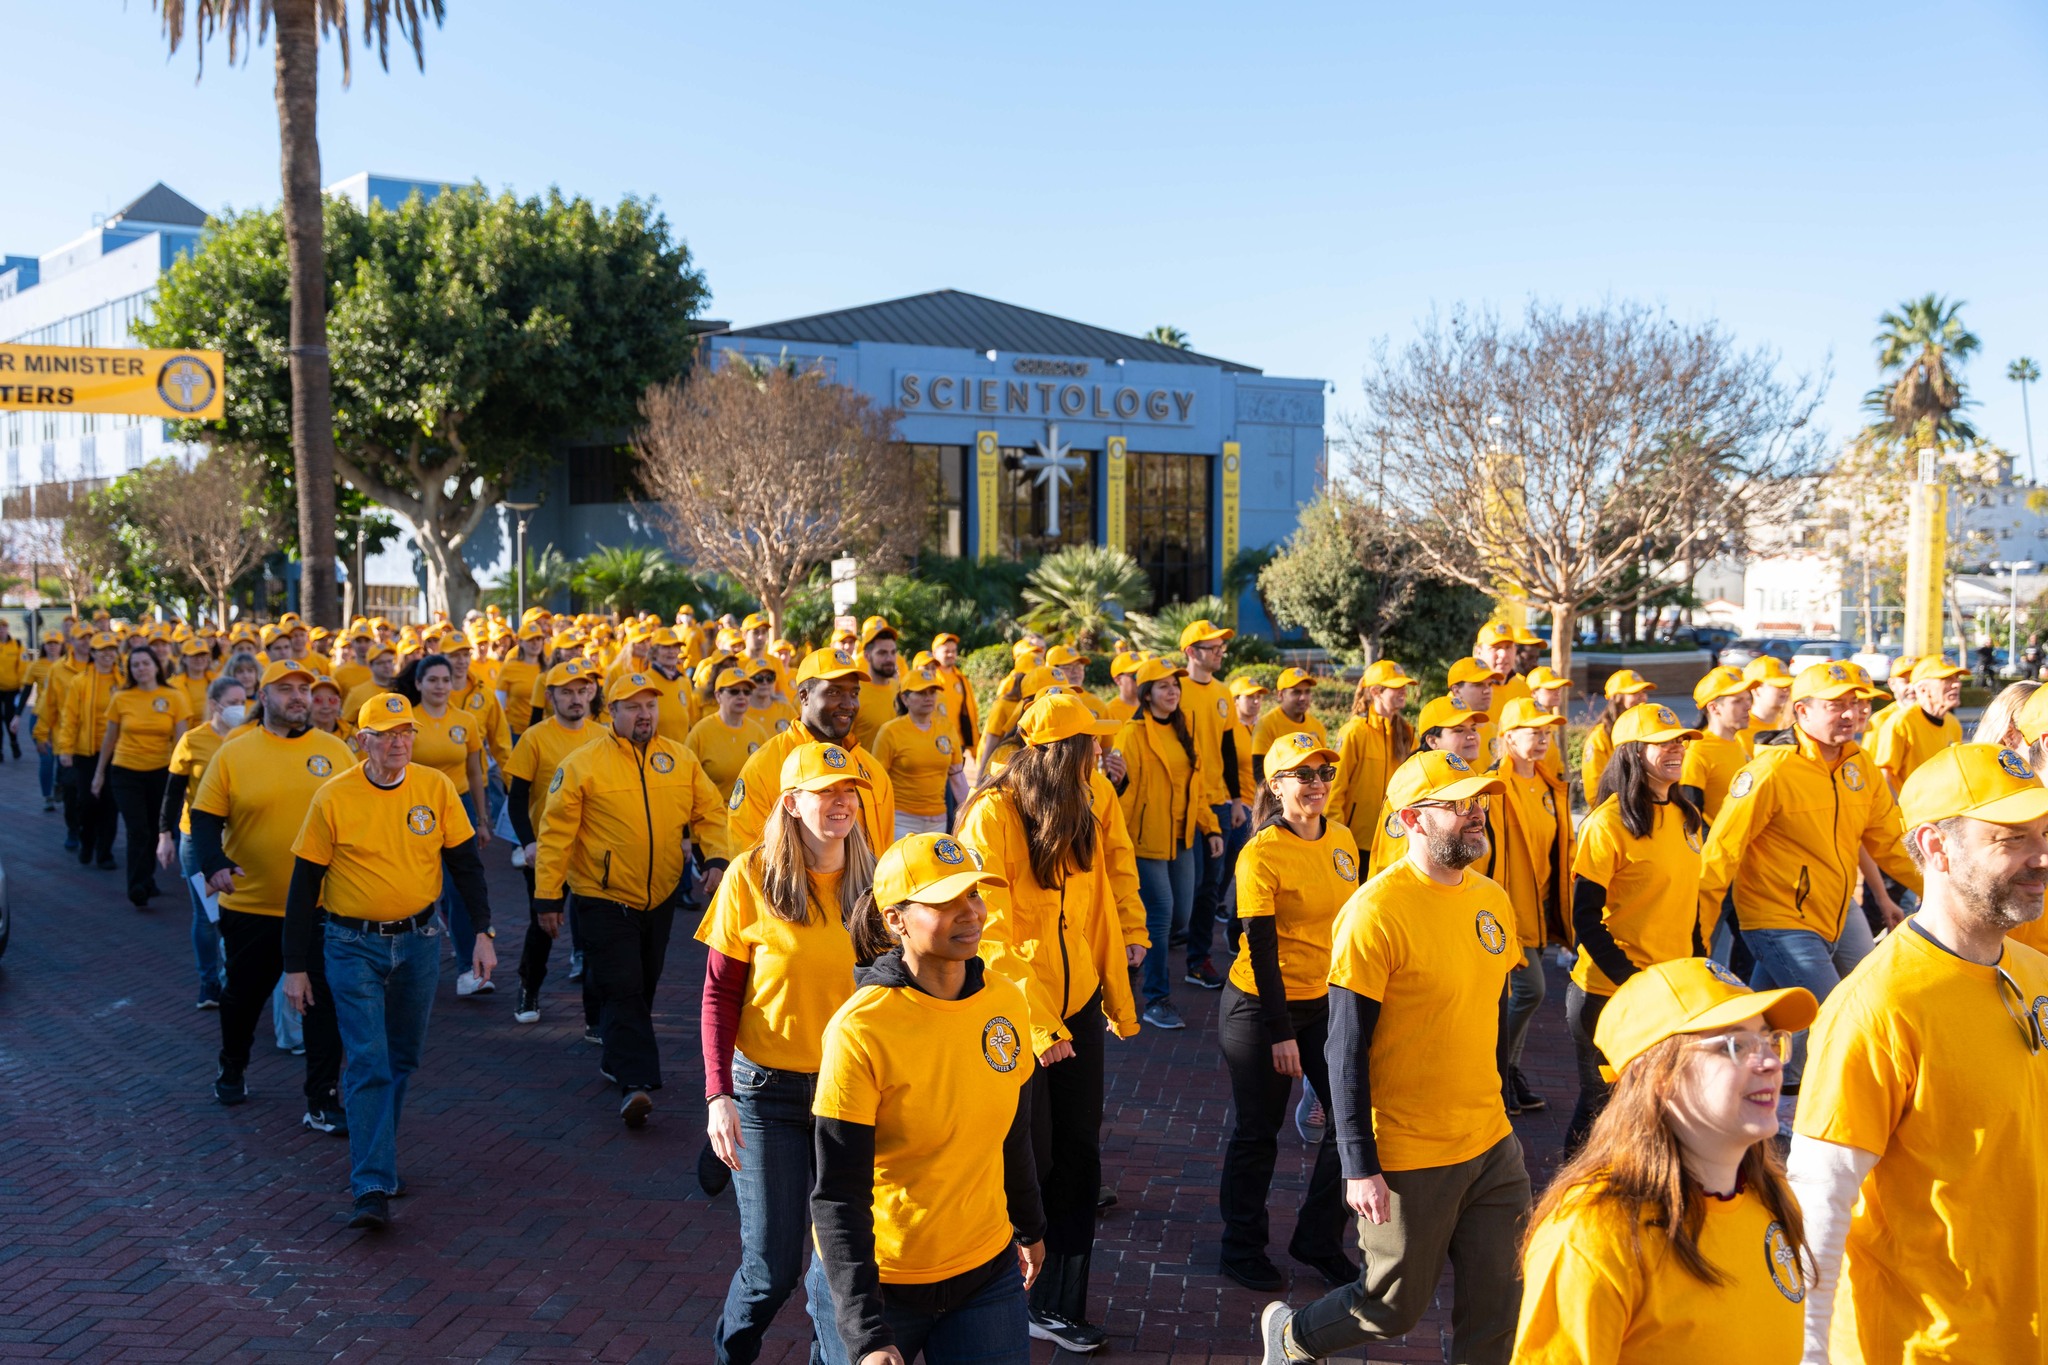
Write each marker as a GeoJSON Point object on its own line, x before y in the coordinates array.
{"type": "Point", "coordinates": [1745, 1048]}
{"type": "Point", "coordinates": [1326, 773]}
{"type": "Point", "coordinates": [1464, 807]}
{"type": "Point", "coordinates": [2024, 1016]}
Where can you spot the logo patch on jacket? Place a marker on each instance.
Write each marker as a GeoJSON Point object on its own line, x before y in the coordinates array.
{"type": "Point", "coordinates": [662, 763]}
{"type": "Point", "coordinates": [1852, 776]}
{"type": "Point", "coordinates": [1741, 786]}
{"type": "Point", "coordinates": [739, 794]}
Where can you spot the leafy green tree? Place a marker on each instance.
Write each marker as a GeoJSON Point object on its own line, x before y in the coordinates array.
{"type": "Point", "coordinates": [473, 335]}
{"type": "Point", "coordinates": [1166, 334]}
{"type": "Point", "coordinates": [549, 575]}
{"type": "Point", "coordinates": [1344, 576]}
{"type": "Point", "coordinates": [1081, 593]}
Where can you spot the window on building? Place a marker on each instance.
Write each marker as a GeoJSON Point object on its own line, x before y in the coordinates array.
{"type": "Point", "coordinates": [1025, 503]}
{"type": "Point", "coordinates": [602, 474]}
{"type": "Point", "coordinates": [1166, 523]}
{"type": "Point", "coordinates": [942, 473]}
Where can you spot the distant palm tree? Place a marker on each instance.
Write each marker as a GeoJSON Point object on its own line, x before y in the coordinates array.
{"type": "Point", "coordinates": [1166, 334]}
{"type": "Point", "coordinates": [624, 578]}
{"type": "Point", "coordinates": [2023, 372]}
{"type": "Point", "coordinates": [1160, 633]}
{"type": "Point", "coordinates": [1082, 592]}
{"type": "Point", "coordinates": [1921, 395]}
{"type": "Point", "coordinates": [548, 575]}
{"type": "Point", "coordinates": [301, 25]}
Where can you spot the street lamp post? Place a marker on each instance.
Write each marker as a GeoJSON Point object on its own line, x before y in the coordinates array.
{"type": "Point", "coordinates": [520, 512]}
{"type": "Point", "coordinates": [2012, 609]}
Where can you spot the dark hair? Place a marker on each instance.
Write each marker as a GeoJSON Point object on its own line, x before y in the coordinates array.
{"type": "Point", "coordinates": [142, 647]}
{"type": "Point", "coordinates": [1049, 786]}
{"type": "Point", "coordinates": [871, 937]}
{"type": "Point", "coordinates": [1626, 778]}
{"type": "Point", "coordinates": [1611, 710]}
{"type": "Point", "coordinates": [1178, 719]}
{"type": "Point", "coordinates": [407, 683]}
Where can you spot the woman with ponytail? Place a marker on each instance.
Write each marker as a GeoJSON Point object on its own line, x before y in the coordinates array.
{"type": "Point", "coordinates": [780, 964]}
{"type": "Point", "coordinates": [1673, 1237]}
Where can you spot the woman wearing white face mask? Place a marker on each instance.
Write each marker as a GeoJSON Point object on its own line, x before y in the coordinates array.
{"type": "Point", "coordinates": [1673, 1237]}
{"type": "Point", "coordinates": [227, 706]}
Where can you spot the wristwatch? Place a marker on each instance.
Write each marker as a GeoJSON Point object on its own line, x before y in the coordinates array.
{"type": "Point", "coordinates": [491, 934]}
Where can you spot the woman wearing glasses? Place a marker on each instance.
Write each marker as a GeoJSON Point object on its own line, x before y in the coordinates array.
{"type": "Point", "coordinates": [1635, 884]}
{"type": "Point", "coordinates": [1293, 876]}
{"type": "Point", "coordinates": [1673, 1236]}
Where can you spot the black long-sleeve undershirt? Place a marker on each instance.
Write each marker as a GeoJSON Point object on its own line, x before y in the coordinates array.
{"type": "Point", "coordinates": [1589, 926]}
{"type": "Point", "coordinates": [1230, 774]}
{"type": "Point", "coordinates": [207, 832]}
{"type": "Point", "coordinates": [174, 802]}
{"type": "Point", "coordinates": [517, 810]}
{"type": "Point", "coordinates": [1262, 941]}
{"type": "Point", "coordinates": [1353, 1018]}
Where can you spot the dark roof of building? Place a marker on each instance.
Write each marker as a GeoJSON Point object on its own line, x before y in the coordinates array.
{"type": "Point", "coordinates": [953, 318]}
{"type": "Point", "coordinates": [162, 204]}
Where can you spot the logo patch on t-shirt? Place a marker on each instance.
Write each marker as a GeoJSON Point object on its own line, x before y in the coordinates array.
{"type": "Point", "coordinates": [662, 763]}
{"type": "Point", "coordinates": [420, 820]}
{"type": "Point", "coordinates": [555, 782]}
{"type": "Point", "coordinates": [2041, 1015]}
{"type": "Point", "coordinates": [1346, 865]}
{"type": "Point", "coordinates": [1549, 802]}
{"type": "Point", "coordinates": [781, 725]}
{"type": "Point", "coordinates": [319, 765]}
{"type": "Point", "coordinates": [1223, 708]}
{"type": "Point", "coordinates": [1492, 937]}
{"type": "Point", "coordinates": [160, 705]}
{"type": "Point", "coordinates": [943, 744]}
{"type": "Point", "coordinates": [459, 733]}
{"type": "Point", "coordinates": [752, 746]}
{"type": "Point", "coordinates": [1000, 1044]}
{"type": "Point", "coordinates": [1784, 1263]}
{"type": "Point", "coordinates": [739, 794]}
{"type": "Point", "coordinates": [1742, 784]}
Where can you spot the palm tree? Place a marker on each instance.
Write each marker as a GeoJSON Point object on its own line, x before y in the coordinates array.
{"type": "Point", "coordinates": [1082, 592]}
{"type": "Point", "coordinates": [548, 575]}
{"type": "Point", "coordinates": [624, 578]}
{"type": "Point", "coordinates": [2023, 372]}
{"type": "Point", "coordinates": [1166, 334]}
{"type": "Point", "coordinates": [1161, 633]}
{"type": "Point", "coordinates": [301, 25]}
{"type": "Point", "coordinates": [1919, 400]}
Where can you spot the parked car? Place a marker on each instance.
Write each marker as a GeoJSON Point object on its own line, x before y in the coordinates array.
{"type": "Point", "coordinates": [1811, 652]}
{"type": "Point", "coordinates": [1740, 653]}
{"type": "Point", "coordinates": [1710, 638]}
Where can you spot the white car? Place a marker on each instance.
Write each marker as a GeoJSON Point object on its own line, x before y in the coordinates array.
{"type": "Point", "coordinates": [1811, 652]}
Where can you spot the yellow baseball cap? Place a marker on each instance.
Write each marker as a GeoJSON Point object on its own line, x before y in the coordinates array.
{"type": "Point", "coordinates": [1203, 631]}
{"type": "Point", "coordinates": [1038, 681]}
{"type": "Point", "coordinates": [931, 869]}
{"type": "Point", "coordinates": [330, 684]}
{"type": "Point", "coordinates": [379, 648]}
{"type": "Point", "coordinates": [1293, 677]}
{"type": "Point", "coordinates": [828, 664]}
{"type": "Point", "coordinates": [1441, 713]}
{"type": "Point", "coordinates": [1651, 723]}
{"type": "Point", "coordinates": [942, 638]}
{"type": "Point", "coordinates": [629, 685]}
{"type": "Point", "coordinates": [1152, 670]}
{"type": "Point", "coordinates": [733, 677]}
{"type": "Point", "coordinates": [1524, 714]}
{"type": "Point", "coordinates": [285, 668]}
{"type": "Point", "coordinates": [661, 637]}
{"type": "Point", "coordinates": [924, 679]}
{"type": "Point", "coordinates": [1721, 682]}
{"type": "Point", "coordinates": [1688, 995]}
{"type": "Point", "coordinates": [195, 647]}
{"type": "Point", "coordinates": [1125, 663]}
{"type": "Point", "coordinates": [1624, 681]}
{"type": "Point", "coordinates": [1022, 648]}
{"type": "Point", "coordinates": [1436, 775]}
{"type": "Point", "coordinates": [1982, 781]}
{"type": "Point", "coordinates": [1246, 686]}
{"type": "Point", "coordinates": [1765, 669]}
{"type": "Point", "coordinates": [1385, 673]}
{"type": "Point", "coordinates": [1060, 716]}
{"type": "Point", "coordinates": [1060, 656]}
{"type": "Point", "coordinates": [1471, 671]}
{"type": "Point", "coordinates": [756, 620]}
{"type": "Point", "coordinates": [102, 640]}
{"type": "Point", "coordinates": [1502, 633]}
{"type": "Point", "coordinates": [873, 629]}
{"type": "Point", "coordinates": [1902, 668]}
{"type": "Point", "coordinates": [814, 766]}
{"type": "Point", "coordinates": [385, 711]}
{"type": "Point", "coordinates": [1297, 750]}
{"type": "Point", "coordinates": [1934, 668]}
{"type": "Point", "coordinates": [1542, 677]}
{"type": "Point", "coordinates": [568, 671]}
{"type": "Point", "coordinates": [1827, 682]}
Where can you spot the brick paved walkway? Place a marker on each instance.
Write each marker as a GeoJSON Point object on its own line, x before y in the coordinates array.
{"type": "Point", "coordinates": [141, 1221]}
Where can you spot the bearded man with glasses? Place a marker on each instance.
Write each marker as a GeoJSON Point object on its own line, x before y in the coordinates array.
{"type": "Point", "coordinates": [1926, 1093]}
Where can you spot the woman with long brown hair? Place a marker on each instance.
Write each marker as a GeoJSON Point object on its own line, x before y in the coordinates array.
{"type": "Point", "coordinates": [780, 964]}
{"type": "Point", "coordinates": [1673, 1236]}
{"type": "Point", "coordinates": [1054, 927]}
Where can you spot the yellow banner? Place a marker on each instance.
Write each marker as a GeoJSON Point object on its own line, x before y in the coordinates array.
{"type": "Point", "coordinates": [1926, 567]}
{"type": "Point", "coordinates": [1113, 493]}
{"type": "Point", "coordinates": [111, 379]}
{"type": "Point", "coordinates": [1230, 481]}
{"type": "Point", "coordinates": [988, 470]}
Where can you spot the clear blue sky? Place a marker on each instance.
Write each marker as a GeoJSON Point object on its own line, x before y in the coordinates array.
{"type": "Point", "coordinates": [1286, 183]}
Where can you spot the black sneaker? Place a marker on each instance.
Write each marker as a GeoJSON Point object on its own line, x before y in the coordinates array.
{"type": "Point", "coordinates": [1105, 1198]}
{"type": "Point", "coordinates": [527, 1008]}
{"type": "Point", "coordinates": [1337, 1269]}
{"type": "Point", "coordinates": [1254, 1272]}
{"type": "Point", "coordinates": [592, 1036]}
{"type": "Point", "coordinates": [1062, 1331]}
{"type": "Point", "coordinates": [1527, 1100]}
{"type": "Point", "coordinates": [1203, 974]}
{"type": "Point", "coordinates": [637, 1107]}
{"type": "Point", "coordinates": [325, 1121]}
{"type": "Point", "coordinates": [373, 1212]}
{"type": "Point", "coordinates": [229, 1087]}
{"type": "Point", "coordinates": [208, 1002]}
{"type": "Point", "coordinates": [104, 864]}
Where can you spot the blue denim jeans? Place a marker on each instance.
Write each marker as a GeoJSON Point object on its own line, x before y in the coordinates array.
{"type": "Point", "coordinates": [773, 1187]}
{"type": "Point", "coordinates": [455, 910]}
{"type": "Point", "coordinates": [383, 988]}
{"type": "Point", "coordinates": [989, 1329]}
{"type": "Point", "coordinates": [285, 1021]}
{"type": "Point", "coordinates": [1800, 957]}
{"type": "Point", "coordinates": [1167, 887]}
{"type": "Point", "coordinates": [206, 954]}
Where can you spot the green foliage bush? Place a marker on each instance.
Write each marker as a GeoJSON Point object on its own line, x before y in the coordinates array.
{"type": "Point", "coordinates": [988, 665]}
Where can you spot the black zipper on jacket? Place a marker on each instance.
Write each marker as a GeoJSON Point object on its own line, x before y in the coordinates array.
{"type": "Point", "coordinates": [647, 810]}
{"type": "Point", "coordinates": [1066, 966]}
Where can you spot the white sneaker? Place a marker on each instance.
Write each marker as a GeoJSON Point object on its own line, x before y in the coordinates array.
{"type": "Point", "coordinates": [468, 984]}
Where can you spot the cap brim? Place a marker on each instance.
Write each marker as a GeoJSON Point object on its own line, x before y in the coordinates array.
{"type": "Point", "coordinates": [1790, 1008]}
{"type": "Point", "coordinates": [1542, 722]}
{"type": "Point", "coordinates": [832, 779]}
{"type": "Point", "coordinates": [1476, 785]}
{"type": "Point", "coordinates": [1313, 754]}
{"type": "Point", "coordinates": [1667, 736]}
{"type": "Point", "coordinates": [308, 674]}
{"type": "Point", "coordinates": [954, 885]}
{"type": "Point", "coordinates": [2020, 808]}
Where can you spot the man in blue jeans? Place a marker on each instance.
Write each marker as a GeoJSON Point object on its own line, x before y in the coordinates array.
{"type": "Point", "coordinates": [1206, 702]}
{"type": "Point", "coordinates": [1787, 839]}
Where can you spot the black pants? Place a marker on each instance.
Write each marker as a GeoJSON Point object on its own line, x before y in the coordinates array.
{"type": "Point", "coordinates": [98, 816]}
{"type": "Point", "coordinates": [1066, 1134]}
{"type": "Point", "coordinates": [623, 953]}
{"type": "Point", "coordinates": [1582, 1013]}
{"type": "Point", "coordinates": [139, 795]}
{"type": "Point", "coordinates": [540, 944]}
{"type": "Point", "coordinates": [1260, 1096]}
{"type": "Point", "coordinates": [254, 949]}
{"type": "Point", "coordinates": [68, 792]}
{"type": "Point", "coordinates": [10, 707]}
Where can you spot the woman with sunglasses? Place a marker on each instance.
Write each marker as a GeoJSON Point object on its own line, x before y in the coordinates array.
{"type": "Point", "coordinates": [1635, 884]}
{"type": "Point", "coordinates": [1673, 1237]}
{"type": "Point", "coordinates": [1529, 837]}
{"type": "Point", "coordinates": [1295, 873]}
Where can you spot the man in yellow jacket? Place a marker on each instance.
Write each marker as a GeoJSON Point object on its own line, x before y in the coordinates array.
{"type": "Point", "coordinates": [1785, 848]}
{"type": "Point", "coordinates": [621, 814]}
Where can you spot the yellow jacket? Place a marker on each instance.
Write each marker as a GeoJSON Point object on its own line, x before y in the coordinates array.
{"type": "Point", "coordinates": [1060, 944]}
{"type": "Point", "coordinates": [1148, 795]}
{"type": "Point", "coordinates": [1787, 837]}
{"type": "Point", "coordinates": [1543, 913]}
{"type": "Point", "coordinates": [1115, 845]}
{"type": "Point", "coordinates": [1365, 760]}
{"type": "Point", "coordinates": [84, 722]}
{"type": "Point", "coordinates": [617, 818]}
{"type": "Point", "coordinates": [50, 695]}
{"type": "Point", "coordinates": [13, 664]}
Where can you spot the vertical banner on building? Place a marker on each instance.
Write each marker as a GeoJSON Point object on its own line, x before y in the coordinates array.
{"type": "Point", "coordinates": [1115, 462]}
{"type": "Point", "coordinates": [1230, 482]}
{"type": "Point", "coordinates": [988, 472]}
{"type": "Point", "coordinates": [1926, 563]}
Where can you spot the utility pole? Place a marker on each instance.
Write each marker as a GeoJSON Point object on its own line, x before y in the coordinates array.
{"type": "Point", "coordinates": [520, 512]}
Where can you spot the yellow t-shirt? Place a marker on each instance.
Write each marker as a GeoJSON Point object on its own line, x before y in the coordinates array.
{"type": "Point", "coordinates": [1435, 958]}
{"type": "Point", "coordinates": [11, 665]}
{"type": "Point", "coordinates": [349, 676]}
{"type": "Point", "coordinates": [352, 704]}
{"type": "Point", "coordinates": [1652, 889]}
{"type": "Point", "coordinates": [262, 785]}
{"type": "Point", "coordinates": [1275, 724]}
{"type": "Point", "coordinates": [775, 717]}
{"type": "Point", "coordinates": [939, 1082]}
{"type": "Point", "coordinates": [147, 720]}
{"type": "Point", "coordinates": [797, 974]}
{"type": "Point", "coordinates": [1586, 1297]}
{"type": "Point", "coordinates": [918, 762]}
{"type": "Point", "coordinates": [1906, 738]}
{"type": "Point", "coordinates": [1301, 885]}
{"type": "Point", "coordinates": [194, 690]}
{"type": "Point", "coordinates": [1915, 1058]}
{"type": "Point", "coordinates": [1711, 764]}
{"type": "Point", "coordinates": [877, 708]}
{"type": "Point", "coordinates": [445, 742]}
{"type": "Point", "coordinates": [1211, 715]}
{"type": "Point", "coordinates": [724, 749]}
{"type": "Point", "coordinates": [513, 683]}
{"type": "Point", "coordinates": [382, 848]}
{"type": "Point", "coordinates": [1594, 756]}
{"type": "Point", "coordinates": [196, 748]}
{"type": "Point", "coordinates": [539, 754]}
